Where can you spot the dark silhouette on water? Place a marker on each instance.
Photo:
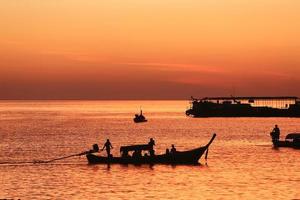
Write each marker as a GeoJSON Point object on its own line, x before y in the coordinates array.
{"type": "Point", "coordinates": [180, 157]}
{"type": "Point", "coordinates": [107, 147]}
{"type": "Point", "coordinates": [151, 143]}
{"type": "Point", "coordinates": [291, 140]}
{"type": "Point", "coordinates": [173, 149]}
{"type": "Point", "coordinates": [167, 151]}
{"type": "Point", "coordinates": [275, 134]}
{"type": "Point", "coordinates": [244, 107]}
{"type": "Point", "coordinates": [139, 118]}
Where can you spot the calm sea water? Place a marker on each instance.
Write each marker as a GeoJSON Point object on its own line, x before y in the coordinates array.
{"type": "Point", "coordinates": [242, 163]}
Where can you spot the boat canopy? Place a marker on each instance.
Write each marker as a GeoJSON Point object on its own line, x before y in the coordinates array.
{"type": "Point", "coordinates": [252, 98]}
{"type": "Point", "coordinates": [139, 147]}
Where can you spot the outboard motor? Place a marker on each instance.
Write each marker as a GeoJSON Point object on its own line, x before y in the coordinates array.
{"type": "Point", "coordinates": [95, 148]}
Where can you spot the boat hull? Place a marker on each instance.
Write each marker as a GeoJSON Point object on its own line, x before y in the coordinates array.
{"type": "Point", "coordinates": [236, 112]}
{"type": "Point", "coordinates": [284, 143]}
{"type": "Point", "coordinates": [187, 157]}
{"type": "Point", "coordinates": [139, 120]}
{"type": "Point", "coordinates": [180, 157]}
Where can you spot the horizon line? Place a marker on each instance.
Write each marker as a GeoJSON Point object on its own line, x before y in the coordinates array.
{"type": "Point", "coordinates": [85, 99]}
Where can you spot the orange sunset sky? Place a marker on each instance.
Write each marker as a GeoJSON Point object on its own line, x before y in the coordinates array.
{"type": "Point", "coordinates": [148, 49]}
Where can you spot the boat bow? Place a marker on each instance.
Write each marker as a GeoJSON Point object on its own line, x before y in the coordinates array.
{"type": "Point", "coordinates": [211, 140]}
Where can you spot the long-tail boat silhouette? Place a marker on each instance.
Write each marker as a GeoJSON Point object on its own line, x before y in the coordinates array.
{"type": "Point", "coordinates": [244, 107]}
{"type": "Point", "coordinates": [179, 157]}
{"type": "Point", "coordinates": [291, 140]}
{"type": "Point", "coordinates": [139, 118]}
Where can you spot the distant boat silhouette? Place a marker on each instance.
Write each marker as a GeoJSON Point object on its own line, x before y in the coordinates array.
{"type": "Point", "coordinates": [291, 140]}
{"type": "Point", "coordinates": [139, 118]}
{"type": "Point", "coordinates": [282, 106]}
{"type": "Point", "coordinates": [190, 157]}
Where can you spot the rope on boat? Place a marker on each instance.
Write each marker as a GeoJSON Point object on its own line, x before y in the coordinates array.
{"type": "Point", "coordinates": [41, 161]}
{"type": "Point", "coordinates": [46, 161]}
{"type": "Point", "coordinates": [61, 158]}
{"type": "Point", "coordinates": [95, 149]}
{"type": "Point", "coordinates": [18, 162]}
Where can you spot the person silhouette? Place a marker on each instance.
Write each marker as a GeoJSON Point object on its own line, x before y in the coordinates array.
{"type": "Point", "coordinates": [275, 134]}
{"type": "Point", "coordinates": [151, 143]}
{"type": "Point", "coordinates": [107, 146]}
{"type": "Point", "coordinates": [173, 149]}
{"type": "Point", "coordinates": [167, 151]}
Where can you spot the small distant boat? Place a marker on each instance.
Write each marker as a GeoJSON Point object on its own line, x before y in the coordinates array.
{"type": "Point", "coordinates": [139, 118]}
{"type": "Point", "coordinates": [190, 157]}
{"type": "Point", "coordinates": [291, 140]}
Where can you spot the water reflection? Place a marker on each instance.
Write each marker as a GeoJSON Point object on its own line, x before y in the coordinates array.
{"type": "Point", "coordinates": [241, 165]}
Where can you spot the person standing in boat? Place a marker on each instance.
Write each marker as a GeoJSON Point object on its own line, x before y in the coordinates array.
{"type": "Point", "coordinates": [173, 149]}
{"type": "Point", "coordinates": [151, 143]}
{"type": "Point", "coordinates": [167, 151]}
{"type": "Point", "coordinates": [107, 147]}
{"type": "Point", "coordinates": [275, 134]}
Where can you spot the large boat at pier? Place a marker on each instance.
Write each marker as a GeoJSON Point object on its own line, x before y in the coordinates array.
{"type": "Point", "coordinates": [283, 106]}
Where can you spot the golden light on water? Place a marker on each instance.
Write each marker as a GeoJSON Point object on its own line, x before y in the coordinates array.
{"type": "Point", "coordinates": [241, 162]}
